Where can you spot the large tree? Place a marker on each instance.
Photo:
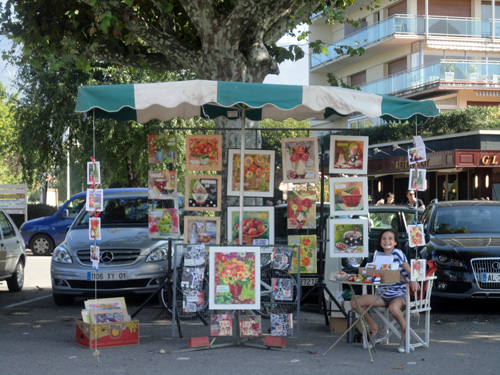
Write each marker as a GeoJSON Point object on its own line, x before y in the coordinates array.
{"type": "Point", "coordinates": [10, 171]}
{"type": "Point", "coordinates": [218, 39]}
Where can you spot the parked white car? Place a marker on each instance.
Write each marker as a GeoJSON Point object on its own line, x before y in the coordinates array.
{"type": "Point", "coordinates": [12, 253]}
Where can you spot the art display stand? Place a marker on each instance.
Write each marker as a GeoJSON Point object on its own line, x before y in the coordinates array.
{"type": "Point", "coordinates": [268, 303]}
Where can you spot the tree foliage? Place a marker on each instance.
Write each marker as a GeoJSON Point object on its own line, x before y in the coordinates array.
{"type": "Point", "coordinates": [456, 121]}
{"type": "Point", "coordinates": [10, 171]}
{"type": "Point", "coordinates": [218, 39]}
{"type": "Point", "coordinates": [49, 130]}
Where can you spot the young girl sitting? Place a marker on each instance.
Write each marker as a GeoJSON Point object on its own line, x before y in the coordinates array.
{"type": "Point", "coordinates": [395, 297]}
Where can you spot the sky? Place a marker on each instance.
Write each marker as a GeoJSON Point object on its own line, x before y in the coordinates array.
{"type": "Point", "coordinates": [291, 73]}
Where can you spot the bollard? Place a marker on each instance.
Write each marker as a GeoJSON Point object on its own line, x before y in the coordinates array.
{"type": "Point", "coordinates": [351, 317]}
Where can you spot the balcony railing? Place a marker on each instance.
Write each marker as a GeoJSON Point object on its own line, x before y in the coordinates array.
{"type": "Point", "coordinates": [444, 72]}
{"type": "Point", "coordinates": [409, 25]}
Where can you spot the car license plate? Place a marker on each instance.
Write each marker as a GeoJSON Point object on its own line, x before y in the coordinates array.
{"type": "Point", "coordinates": [106, 276]}
{"type": "Point", "coordinates": [308, 281]}
{"type": "Point", "coordinates": [490, 277]}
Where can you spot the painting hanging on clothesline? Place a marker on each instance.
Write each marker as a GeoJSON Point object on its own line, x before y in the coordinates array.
{"type": "Point", "coordinates": [348, 237]}
{"type": "Point", "coordinates": [417, 180]}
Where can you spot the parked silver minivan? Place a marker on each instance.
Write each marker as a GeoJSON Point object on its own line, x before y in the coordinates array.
{"type": "Point", "coordinates": [130, 262]}
{"type": "Point", "coordinates": [12, 254]}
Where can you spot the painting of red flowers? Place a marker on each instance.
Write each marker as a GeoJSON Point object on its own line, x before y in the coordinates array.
{"type": "Point", "coordinates": [301, 211]}
{"type": "Point", "coordinates": [204, 152]}
{"type": "Point", "coordinates": [300, 159]}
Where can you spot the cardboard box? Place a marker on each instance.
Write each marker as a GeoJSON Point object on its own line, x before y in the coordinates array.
{"type": "Point", "coordinates": [334, 310]}
{"type": "Point", "coordinates": [339, 325]}
{"type": "Point", "coordinates": [108, 334]}
{"type": "Point", "coordinates": [386, 276]}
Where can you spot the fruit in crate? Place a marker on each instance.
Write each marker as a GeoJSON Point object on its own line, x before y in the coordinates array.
{"type": "Point", "coordinates": [351, 196]}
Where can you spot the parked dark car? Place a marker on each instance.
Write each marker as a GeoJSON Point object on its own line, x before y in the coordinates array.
{"type": "Point", "coordinates": [12, 254]}
{"type": "Point", "coordinates": [463, 237]}
{"type": "Point", "coordinates": [42, 235]}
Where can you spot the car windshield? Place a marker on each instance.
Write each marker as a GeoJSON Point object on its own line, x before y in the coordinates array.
{"type": "Point", "coordinates": [125, 210]}
{"type": "Point", "coordinates": [467, 219]}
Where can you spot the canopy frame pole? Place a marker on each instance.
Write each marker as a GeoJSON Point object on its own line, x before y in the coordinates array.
{"type": "Point", "coordinates": [242, 174]}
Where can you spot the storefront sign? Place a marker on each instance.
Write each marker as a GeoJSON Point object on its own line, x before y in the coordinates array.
{"type": "Point", "coordinates": [490, 160]}
{"type": "Point", "coordinates": [477, 158]}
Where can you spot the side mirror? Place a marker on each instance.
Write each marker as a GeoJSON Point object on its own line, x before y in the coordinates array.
{"type": "Point", "coordinates": [64, 214]}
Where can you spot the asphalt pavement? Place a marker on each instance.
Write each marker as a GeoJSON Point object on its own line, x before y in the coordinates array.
{"type": "Point", "coordinates": [37, 337]}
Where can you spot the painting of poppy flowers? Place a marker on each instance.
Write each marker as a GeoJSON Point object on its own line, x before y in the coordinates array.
{"type": "Point", "coordinates": [204, 152]}
{"type": "Point", "coordinates": [301, 210]}
{"type": "Point", "coordinates": [307, 245]}
{"type": "Point", "coordinates": [233, 275]}
{"type": "Point", "coordinates": [258, 173]}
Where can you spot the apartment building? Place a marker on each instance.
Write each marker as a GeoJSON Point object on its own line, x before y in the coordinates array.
{"type": "Point", "coordinates": [447, 51]}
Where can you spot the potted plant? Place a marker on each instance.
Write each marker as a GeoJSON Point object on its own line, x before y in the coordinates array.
{"type": "Point", "coordinates": [473, 72]}
{"type": "Point", "coordinates": [449, 71]}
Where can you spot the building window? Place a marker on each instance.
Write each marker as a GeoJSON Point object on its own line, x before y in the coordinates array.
{"type": "Point", "coordinates": [447, 187]}
{"type": "Point", "coordinates": [358, 79]}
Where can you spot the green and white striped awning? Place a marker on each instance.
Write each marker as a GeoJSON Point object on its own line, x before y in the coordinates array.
{"type": "Point", "coordinates": [211, 99]}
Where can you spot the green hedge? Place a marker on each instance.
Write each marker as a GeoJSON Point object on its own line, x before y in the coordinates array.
{"type": "Point", "coordinates": [34, 211]}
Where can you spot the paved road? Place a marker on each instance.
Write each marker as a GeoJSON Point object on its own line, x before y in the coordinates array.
{"type": "Point", "coordinates": [36, 337]}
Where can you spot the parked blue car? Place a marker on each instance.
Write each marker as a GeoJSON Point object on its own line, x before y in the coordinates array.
{"type": "Point", "coordinates": [42, 235]}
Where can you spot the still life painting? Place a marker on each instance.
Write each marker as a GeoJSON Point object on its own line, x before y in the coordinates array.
{"type": "Point", "coordinates": [258, 225]}
{"type": "Point", "coordinates": [162, 149]}
{"type": "Point", "coordinates": [162, 184]}
{"type": "Point", "coordinates": [308, 247]}
{"type": "Point", "coordinates": [349, 196]}
{"type": "Point", "coordinates": [348, 154]}
{"type": "Point", "coordinates": [204, 152]}
{"type": "Point", "coordinates": [301, 209]}
{"type": "Point", "coordinates": [348, 237]}
{"type": "Point", "coordinates": [203, 192]}
{"type": "Point", "coordinates": [201, 230]}
{"type": "Point", "coordinates": [233, 274]}
{"type": "Point", "coordinates": [300, 159]}
{"type": "Point", "coordinates": [163, 223]}
{"type": "Point", "coordinates": [258, 173]}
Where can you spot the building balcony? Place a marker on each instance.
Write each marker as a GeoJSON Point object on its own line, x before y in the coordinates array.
{"type": "Point", "coordinates": [411, 27]}
{"type": "Point", "coordinates": [445, 73]}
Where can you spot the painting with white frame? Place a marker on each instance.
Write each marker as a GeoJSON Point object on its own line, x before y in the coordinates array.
{"type": "Point", "coordinates": [258, 179]}
{"type": "Point", "coordinates": [348, 154]}
{"type": "Point", "coordinates": [348, 238]}
{"type": "Point", "coordinates": [348, 196]}
{"type": "Point", "coordinates": [263, 215]}
{"type": "Point", "coordinates": [222, 295]}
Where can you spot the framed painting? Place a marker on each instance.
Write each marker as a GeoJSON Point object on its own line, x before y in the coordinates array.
{"type": "Point", "coordinates": [233, 275]}
{"type": "Point", "coordinates": [93, 173]}
{"type": "Point", "coordinates": [300, 159]}
{"type": "Point", "coordinates": [258, 225]}
{"type": "Point", "coordinates": [308, 246]}
{"type": "Point", "coordinates": [348, 154]}
{"type": "Point", "coordinates": [301, 210]}
{"type": "Point", "coordinates": [258, 173]}
{"type": "Point", "coordinates": [417, 179]}
{"type": "Point", "coordinates": [203, 192]}
{"type": "Point", "coordinates": [348, 196]}
{"type": "Point", "coordinates": [106, 303]}
{"type": "Point", "coordinates": [204, 152]}
{"type": "Point", "coordinates": [348, 238]}
{"type": "Point", "coordinates": [162, 149]}
{"type": "Point", "coordinates": [163, 223]}
{"type": "Point", "coordinates": [201, 230]}
{"type": "Point", "coordinates": [162, 184]}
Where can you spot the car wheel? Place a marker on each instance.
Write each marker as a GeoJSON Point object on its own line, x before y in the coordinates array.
{"type": "Point", "coordinates": [41, 244]}
{"type": "Point", "coordinates": [16, 281]}
{"type": "Point", "coordinates": [63, 299]}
